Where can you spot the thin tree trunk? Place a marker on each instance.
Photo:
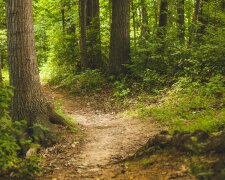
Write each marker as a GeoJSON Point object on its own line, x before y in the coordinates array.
{"type": "Point", "coordinates": [163, 21]}
{"type": "Point", "coordinates": [83, 45]}
{"type": "Point", "coordinates": [202, 19]}
{"type": "Point", "coordinates": [93, 34]}
{"type": "Point", "coordinates": [134, 22]}
{"type": "Point", "coordinates": [63, 17]}
{"type": "Point", "coordinates": [163, 18]}
{"type": "Point", "coordinates": [193, 28]}
{"type": "Point", "coordinates": [196, 12]}
{"type": "Point", "coordinates": [28, 103]}
{"type": "Point", "coordinates": [181, 20]}
{"type": "Point", "coordinates": [144, 12]}
{"type": "Point", "coordinates": [120, 37]}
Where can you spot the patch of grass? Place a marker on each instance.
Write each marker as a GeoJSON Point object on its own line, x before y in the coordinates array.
{"type": "Point", "coordinates": [189, 107]}
{"type": "Point", "coordinates": [65, 77]}
{"type": "Point", "coordinates": [69, 120]}
{"type": "Point", "coordinates": [147, 161]}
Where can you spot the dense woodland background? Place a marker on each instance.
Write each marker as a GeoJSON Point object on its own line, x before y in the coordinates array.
{"type": "Point", "coordinates": [167, 54]}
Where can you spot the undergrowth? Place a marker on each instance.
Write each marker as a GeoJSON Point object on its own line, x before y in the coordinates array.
{"type": "Point", "coordinates": [189, 106]}
{"type": "Point", "coordinates": [72, 125]}
{"type": "Point", "coordinates": [12, 143]}
{"type": "Point", "coordinates": [87, 82]}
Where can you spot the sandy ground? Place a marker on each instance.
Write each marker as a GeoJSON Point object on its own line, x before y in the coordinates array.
{"type": "Point", "coordinates": [106, 139]}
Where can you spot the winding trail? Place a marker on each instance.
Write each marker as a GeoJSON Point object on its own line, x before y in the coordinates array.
{"type": "Point", "coordinates": [106, 139]}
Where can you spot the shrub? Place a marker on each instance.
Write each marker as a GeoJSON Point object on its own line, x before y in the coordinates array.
{"type": "Point", "coordinates": [89, 81]}
{"type": "Point", "coordinates": [11, 160]}
{"type": "Point", "coordinates": [120, 89]}
{"type": "Point", "coordinates": [190, 106]}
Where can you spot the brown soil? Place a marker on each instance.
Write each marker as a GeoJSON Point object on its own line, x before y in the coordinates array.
{"type": "Point", "coordinates": [102, 141]}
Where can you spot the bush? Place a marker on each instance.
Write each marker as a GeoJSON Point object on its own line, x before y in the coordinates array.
{"type": "Point", "coordinates": [190, 106]}
{"type": "Point", "coordinates": [120, 89]}
{"type": "Point", "coordinates": [89, 81]}
{"type": "Point", "coordinates": [11, 160]}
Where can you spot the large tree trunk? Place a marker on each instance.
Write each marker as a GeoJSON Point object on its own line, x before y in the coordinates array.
{"type": "Point", "coordinates": [181, 20]}
{"type": "Point", "coordinates": [28, 102]}
{"type": "Point", "coordinates": [120, 37]}
{"type": "Point", "coordinates": [93, 34]}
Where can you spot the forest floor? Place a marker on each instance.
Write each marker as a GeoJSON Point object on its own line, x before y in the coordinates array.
{"type": "Point", "coordinates": [103, 139]}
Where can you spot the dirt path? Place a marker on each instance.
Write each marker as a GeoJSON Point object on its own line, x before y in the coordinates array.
{"type": "Point", "coordinates": [107, 138]}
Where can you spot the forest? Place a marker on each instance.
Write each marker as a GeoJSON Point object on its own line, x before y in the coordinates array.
{"type": "Point", "coordinates": [116, 89]}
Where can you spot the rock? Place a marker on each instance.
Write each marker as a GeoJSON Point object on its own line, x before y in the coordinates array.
{"type": "Point", "coordinates": [216, 144]}
{"type": "Point", "coordinates": [164, 132]}
{"type": "Point", "coordinates": [201, 135]}
{"type": "Point", "coordinates": [161, 140]}
{"type": "Point", "coordinates": [183, 141]}
{"type": "Point", "coordinates": [32, 152]}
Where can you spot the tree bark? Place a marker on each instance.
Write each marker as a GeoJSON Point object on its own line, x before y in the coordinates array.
{"type": "Point", "coordinates": [196, 11]}
{"type": "Point", "coordinates": [144, 12]}
{"type": "Point", "coordinates": [120, 37]}
{"type": "Point", "coordinates": [93, 34]}
{"type": "Point", "coordinates": [193, 27]}
{"type": "Point", "coordinates": [28, 102]}
{"type": "Point", "coordinates": [83, 44]}
{"type": "Point", "coordinates": [163, 18]}
{"type": "Point", "coordinates": [203, 21]}
{"type": "Point", "coordinates": [63, 15]}
{"type": "Point", "coordinates": [162, 27]}
{"type": "Point", "coordinates": [181, 20]}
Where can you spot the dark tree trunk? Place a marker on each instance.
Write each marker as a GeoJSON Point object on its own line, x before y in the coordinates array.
{"type": "Point", "coordinates": [93, 34]}
{"type": "Point", "coordinates": [202, 19]}
{"type": "Point", "coordinates": [163, 18]}
{"type": "Point", "coordinates": [83, 44]}
{"type": "Point", "coordinates": [63, 15]}
{"type": "Point", "coordinates": [28, 103]}
{"type": "Point", "coordinates": [162, 27]}
{"type": "Point", "coordinates": [144, 12]}
{"type": "Point", "coordinates": [181, 20]}
{"type": "Point", "coordinates": [120, 37]}
{"type": "Point", "coordinates": [192, 31]}
{"type": "Point", "coordinates": [196, 11]}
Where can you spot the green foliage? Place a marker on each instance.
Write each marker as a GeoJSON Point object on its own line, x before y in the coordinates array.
{"type": "Point", "coordinates": [191, 105]}
{"type": "Point", "coordinates": [9, 147]}
{"type": "Point", "coordinates": [28, 167]}
{"type": "Point", "coordinates": [201, 171]}
{"type": "Point", "coordinates": [120, 89]}
{"type": "Point", "coordinates": [5, 98]}
{"type": "Point", "coordinates": [89, 81]}
{"type": "Point", "coordinates": [69, 120]}
{"type": "Point", "coordinates": [11, 160]}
